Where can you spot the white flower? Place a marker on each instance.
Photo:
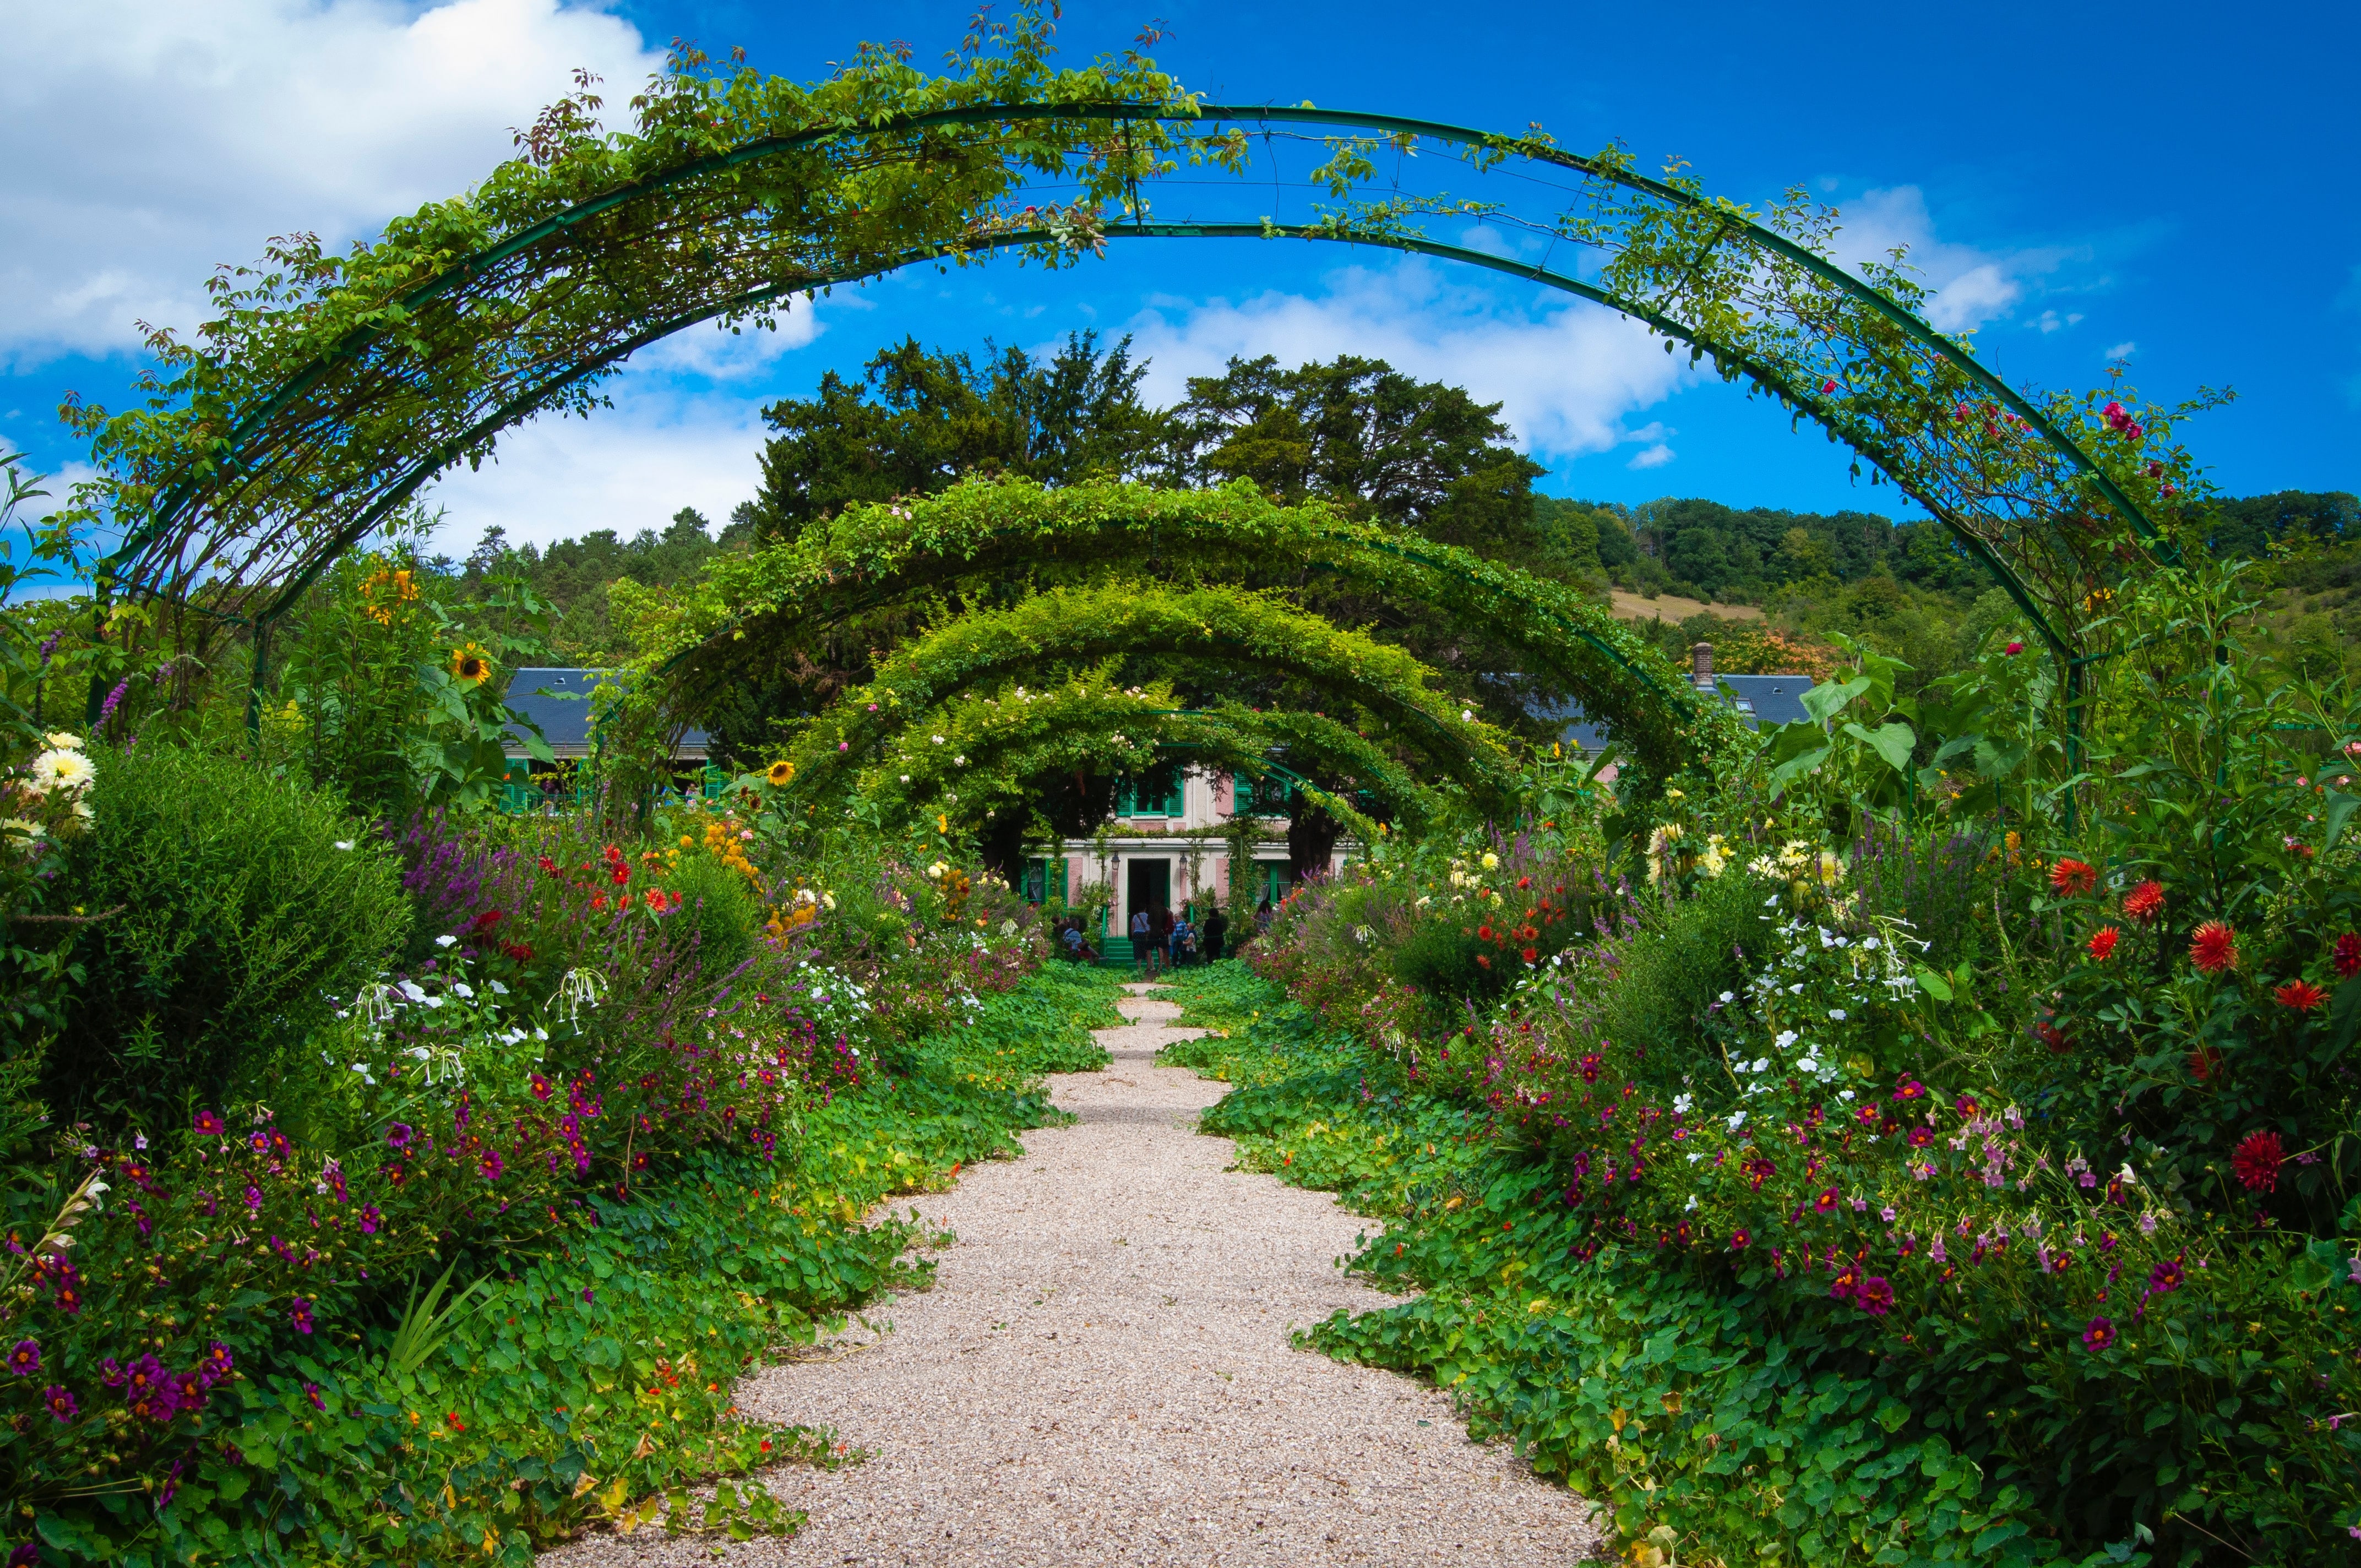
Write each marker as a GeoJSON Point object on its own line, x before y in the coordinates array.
{"type": "Point", "coordinates": [1466, 716]}
{"type": "Point", "coordinates": [937, 740]}
{"type": "Point", "coordinates": [1761, 1064]}
{"type": "Point", "coordinates": [1787, 1037]}
{"type": "Point", "coordinates": [1844, 1093]}
{"type": "Point", "coordinates": [1728, 996]}
{"type": "Point", "coordinates": [1491, 861]}
{"type": "Point", "coordinates": [412, 990]}
{"type": "Point", "coordinates": [63, 769]}
{"type": "Point", "coordinates": [19, 828]}
{"type": "Point", "coordinates": [1737, 1120]}
{"type": "Point", "coordinates": [959, 761]}
{"type": "Point", "coordinates": [1681, 1102]}
{"type": "Point", "coordinates": [828, 899]}
{"type": "Point", "coordinates": [64, 740]}
{"type": "Point", "coordinates": [462, 989]}
{"type": "Point", "coordinates": [1809, 1064]}
{"type": "Point", "coordinates": [343, 843]}
{"type": "Point", "coordinates": [1837, 1013]}
{"type": "Point", "coordinates": [906, 778]}
{"type": "Point", "coordinates": [1691, 1205]}
{"type": "Point", "coordinates": [446, 941]}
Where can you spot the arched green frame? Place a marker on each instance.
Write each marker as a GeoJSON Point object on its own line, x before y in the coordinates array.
{"type": "Point", "coordinates": [236, 462]}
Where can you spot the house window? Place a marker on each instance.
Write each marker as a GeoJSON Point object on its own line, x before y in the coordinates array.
{"type": "Point", "coordinates": [1042, 880]}
{"type": "Point", "coordinates": [1156, 794]}
{"type": "Point", "coordinates": [1265, 797]}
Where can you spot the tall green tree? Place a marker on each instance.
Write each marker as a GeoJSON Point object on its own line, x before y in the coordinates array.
{"type": "Point", "coordinates": [921, 418]}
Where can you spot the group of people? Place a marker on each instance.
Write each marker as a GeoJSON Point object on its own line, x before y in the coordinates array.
{"type": "Point", "coordinates": [1161, 940]}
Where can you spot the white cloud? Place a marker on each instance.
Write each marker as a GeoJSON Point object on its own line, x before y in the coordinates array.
{"type": "Point", "coordinates": [1565, 373]}
{"type": "Point", "coordinates": [144, 143]}
{"type": "Point", "coordinates": [628, 468]}
{"type": "Point", "coordinates": [1655, 456]}
{"type": "Point", "coordinates": [2050, 320]}
{"type": "Point", "coordinates": [2123, 350]}
{"type": "Point", "coordinates": [1970, 287]}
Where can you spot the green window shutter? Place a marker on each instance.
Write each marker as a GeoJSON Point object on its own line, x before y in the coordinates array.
{"type": "Point", "coordinates": [1061, 878]}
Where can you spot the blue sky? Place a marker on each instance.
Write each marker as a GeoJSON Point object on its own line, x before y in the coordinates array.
{"type": "Point", "coordinates": [2171, 185]}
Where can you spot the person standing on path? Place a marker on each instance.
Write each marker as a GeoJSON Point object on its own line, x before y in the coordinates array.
{"type": "Point", "coordinates": [1141, 928]}
{"type": "Point", "coordinates": [1217, 926]}
{"type": "Point", "coordinates": [1160, 931]}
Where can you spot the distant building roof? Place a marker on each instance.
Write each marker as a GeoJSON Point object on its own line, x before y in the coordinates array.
{"type": "Point", "coordinates": [1761, 699]}
{"type": "Point", "coordinates": [559, 700]}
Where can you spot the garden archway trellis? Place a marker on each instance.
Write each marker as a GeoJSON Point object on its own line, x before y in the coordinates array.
{"type": "Point", "coordinates": [332, 390]}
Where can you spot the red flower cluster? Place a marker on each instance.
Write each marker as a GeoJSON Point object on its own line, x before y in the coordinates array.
{"type": "Point", "coordinates": [2213, 947]}
{"type": "Point", "coordinates": [2300, 994]}
{"type": "Point", "coordinates": [2346, 956]}
{"type": "Point", "coordinates": [2121, 422]}
{"type": "Point", "coordinates": [2255, 1162]}
{"type": "Point", "coordinates": [2071, 878]}
{"type": "Point", "coordinates": [2144, 903]}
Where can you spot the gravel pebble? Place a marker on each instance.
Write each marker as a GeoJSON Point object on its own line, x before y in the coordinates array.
{"type": "Point", "coordinates": [1102, 1375]}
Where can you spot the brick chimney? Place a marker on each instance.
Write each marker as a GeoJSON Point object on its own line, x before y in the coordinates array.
{"type": "Point", "coordinates": [1701, 666]}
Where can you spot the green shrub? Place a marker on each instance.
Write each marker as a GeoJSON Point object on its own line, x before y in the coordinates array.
{"type": "Point", "coordinates": [243, 907]}
{"type": "Point", "coordinates": [719, 911]}
{"type": "Point", "coordinates": [1687, 956]}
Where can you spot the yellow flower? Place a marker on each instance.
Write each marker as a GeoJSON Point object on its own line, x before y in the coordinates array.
{"type": "Point", "coordinates": [779, 773]}
{"type": "Point", "coordinates": [470, 665]}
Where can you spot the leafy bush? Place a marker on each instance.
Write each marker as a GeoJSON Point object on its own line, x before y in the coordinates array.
{"type": "Point", "coordinates": [236, 909]}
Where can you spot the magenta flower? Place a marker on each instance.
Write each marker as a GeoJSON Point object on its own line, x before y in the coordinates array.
{"type": "Point", "coordinates": [311, 1392]}
{"type": "Point", "coordinates": [398, 1135]}
{"type": "Point", "coordinates": [299, 1315]}
{"type": "Point", "coordinates": [2100, 1334]}
{"type": "Point", "coordinates": [209, 1124]}
{"type": "Point", "coordinates": [489, 1167]}
{"type": "Point", "coordinates": [59, 1401]}
{"type": "Point", "coordinates": [2165, 1277]}
{"type": "Point", "coordinates": [371, 1218]}
{"type": "Point", "coordinates": [1875, 1296]}
{"type": "Point", "coordinates": [541, 1087]}
{"type": "Point", "coordinates": [216, 1363]}
{"type": "Point", "coordinates": [24, 1358]}
{"type": "Point", "coordinates": [254, 1198]}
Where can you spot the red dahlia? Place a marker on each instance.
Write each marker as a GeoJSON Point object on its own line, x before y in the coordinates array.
{"type": "Point", "coordinates": [2072, 878]}
{"type": "Point", "coordinates": [2300, 994]}
{"type": "Point", "coordinates": [2345, 958]}
{"type": "Point", "coordinates": [2257, 1161]}
{"type": "Point", "coordinates": [2215, 948]}
{"type": "Point", "coordinates": [2102, 945]}
{"type": "Point", "coordinates": [2145, 903]}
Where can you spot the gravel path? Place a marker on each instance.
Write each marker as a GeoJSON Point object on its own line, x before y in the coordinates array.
{"type": "Point", "coordinates": [1102, 1375]}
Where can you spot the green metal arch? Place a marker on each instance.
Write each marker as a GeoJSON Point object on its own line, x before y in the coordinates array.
{"type": "Point", "coordinates": [523, 405]}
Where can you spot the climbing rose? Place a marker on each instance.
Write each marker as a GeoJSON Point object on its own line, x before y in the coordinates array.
{"type": "Point", "coordinates": [2300, 994]}
{"type": "Point", "coordinates": [2215, 948]}
{"type": "Point", "coordinates": [2257, 1162]}
{"type": "Point", "coordinates": [2014, 649]}
{"type": "Point", "coordinates": [2102, 943]}
{"type": "Point", "coordinates": [2346, 958]}
{"type": "Point", "coordinates": [2072, 878]}
{"type": "Point", "coordinates": [2144, 903]}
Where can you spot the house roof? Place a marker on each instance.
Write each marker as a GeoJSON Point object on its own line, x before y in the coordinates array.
{"type": "Point", "coordinates": [1761, 699]}
{"type": "Point", "coordinates": [559, 700]}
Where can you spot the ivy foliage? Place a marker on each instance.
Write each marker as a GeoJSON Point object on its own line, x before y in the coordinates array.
{"type": "Point", "coordinates": [965, 544]}
{"type": "Point", "coordinates": [984, 751]}
{"type": "Point", "coordinates": [1217, 630]}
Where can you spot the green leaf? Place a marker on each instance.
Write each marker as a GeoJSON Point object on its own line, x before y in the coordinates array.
{"type": "Point", "coordinates": [1891, 741]}
{"type": "Point", "coordinates": [1933, 984]}
{"type": "Point", "coordinates": [2341, 808]}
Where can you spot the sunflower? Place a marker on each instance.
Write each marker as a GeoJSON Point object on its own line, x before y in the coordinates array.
{"type": "Point", "coordinates": [470, 665]}
{"type": "Point", "coordinates": [779, 773]}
